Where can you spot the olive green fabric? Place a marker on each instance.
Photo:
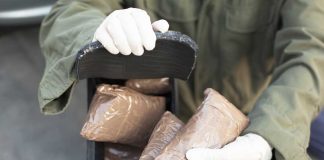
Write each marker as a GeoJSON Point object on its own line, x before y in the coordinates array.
{"type": "Point", "coordinates": [265, 56]}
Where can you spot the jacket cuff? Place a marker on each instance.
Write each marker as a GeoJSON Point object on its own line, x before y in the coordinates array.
{"type": "Point", "coordinates": [55, 91]}
{"type": "Point", "coordinates": [277, 133]}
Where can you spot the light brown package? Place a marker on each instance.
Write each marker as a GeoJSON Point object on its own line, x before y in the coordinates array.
{"type": "Point", "coordinates": [150, 86]}
{"type": "Point", "coordinates": [122, 115]}
{"type": "Point", "coordinates": [216, 123]}
{"type": "Point", "coordinates": [121, 152]}
{"type": "Point", "coordinates": [163, 133]}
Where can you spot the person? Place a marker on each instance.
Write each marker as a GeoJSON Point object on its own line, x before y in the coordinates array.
{"type": "Point", "coordinates": [265, 56]}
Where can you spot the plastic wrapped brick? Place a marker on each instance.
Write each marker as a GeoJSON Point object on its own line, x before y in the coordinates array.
{"type": "Point", "coordinates": [121, 152]}
{"type": "Point", "coordinates": [163, 133]}
{"type": "Point", "coordinates": [216, 123]}
{"type": "Point", "coordinates": [150, 86]}
{"type": "Point", "coordinates": [122, 115]}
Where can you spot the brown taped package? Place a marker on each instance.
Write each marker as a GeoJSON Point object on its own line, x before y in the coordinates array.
{"type": "Point", "coordinates": [122, 115]}
{"type": "Point", "coordinates": [150, 86]}
{"type": "Point", "coordinates": [121, 152]}
{"type": "Point", "coordinates": [162, 134]}
{"type": "Point", "coordinates": [216, 123]}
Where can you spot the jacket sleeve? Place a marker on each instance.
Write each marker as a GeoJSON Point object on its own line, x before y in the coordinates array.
{"type": "Point", "coordinates": [284, 112]}
{"type": "Point", "coordinates": [69, 26]}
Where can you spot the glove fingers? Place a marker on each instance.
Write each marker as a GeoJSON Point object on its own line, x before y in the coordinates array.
{"type": "Point", "coordinates": [203, 154]}
{"type": "Point", "coordinates": [144, 27]}
{"type": "Point", "coordinates": [220, 154]}
{"type": "Point", "coordinates": [104, 38]}
{"type": "Point", "coordinates": [161, 25]}
{"type": "Point", "coordinates": [250, 147]}
{"type": "Point", "coordinates": [240, 148]}
{"type": "Point", "coordinates": [131, 32]}
{"type": "Point", "coordinates": [117, 34]}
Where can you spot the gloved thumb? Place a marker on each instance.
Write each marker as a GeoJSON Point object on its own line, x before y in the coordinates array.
{"type": "Point", "coordinates": [160, 25]}
{"type": "Point", "coordinates": [202, 153]}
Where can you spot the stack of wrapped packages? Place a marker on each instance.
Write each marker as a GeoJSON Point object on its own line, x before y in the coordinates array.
{"type": "Point", "coordinates": [132, 120]}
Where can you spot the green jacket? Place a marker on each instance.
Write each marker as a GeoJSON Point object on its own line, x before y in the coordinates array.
{"type": "Point", "coordinates": [265, 56]}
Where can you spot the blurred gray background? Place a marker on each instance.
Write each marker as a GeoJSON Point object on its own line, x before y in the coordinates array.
{"type": "Point", "coordinates": [26, 134]}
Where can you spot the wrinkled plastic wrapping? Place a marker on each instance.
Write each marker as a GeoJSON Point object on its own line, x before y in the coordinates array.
{"type": "Point", "coordinates": [163, 133]}
{"type": "Point", "coordinates": [216, 123]}
{"type": "Point", "coordinates": [122, 115]}
{"type": "Point", "coordinates": [121, 152]}
{"type": "Point", "coordinates": [150, 86]}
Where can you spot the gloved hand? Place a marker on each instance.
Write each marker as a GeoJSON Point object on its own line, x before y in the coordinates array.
{"type": "Point", "coordinates": [128, 30]}
{"type": "Point", "coordinates": [247, 147]}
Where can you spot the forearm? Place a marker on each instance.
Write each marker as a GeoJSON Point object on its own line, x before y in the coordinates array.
{"type": "Point", "coordinates": [70, 23]}
{"type": "Point", "coordinates": [283, 115]}
{"type": "Point", "coordinates": [284, 112]}
{"type": "Point", "coordinates": [69, 26]}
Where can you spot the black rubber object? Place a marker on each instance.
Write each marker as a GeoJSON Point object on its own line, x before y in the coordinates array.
{"type": "Point", "coordinates": [174, 56]}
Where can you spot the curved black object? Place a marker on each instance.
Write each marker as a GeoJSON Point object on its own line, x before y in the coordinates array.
{"type": "Point", "coordinates": [173, 56]}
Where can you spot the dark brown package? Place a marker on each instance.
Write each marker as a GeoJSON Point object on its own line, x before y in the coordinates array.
{"type": "Point", "coordinates": [150, 86]}
{"type": "Point", "coordinates": [163, 133]}
{"type": "Point", "coordinates": [122, 115]}
{"type": "Point", "coordinates": [121, 152]}
{"type": "Point", "coordinates": [216, 123]}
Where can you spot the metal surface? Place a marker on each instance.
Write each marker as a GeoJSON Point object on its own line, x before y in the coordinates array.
{"type": "Point", "coordinates": [17, 12]}
{"type": "Point", "coordinates": [24, 16]}
{"type": "Point", "coordinates": [95, 150]}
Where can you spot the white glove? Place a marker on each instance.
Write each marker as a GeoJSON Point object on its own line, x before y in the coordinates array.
{"type": "Point", "coordinates": [247, 147]}
{"type": "Point", "coordinates": [128, 30]}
